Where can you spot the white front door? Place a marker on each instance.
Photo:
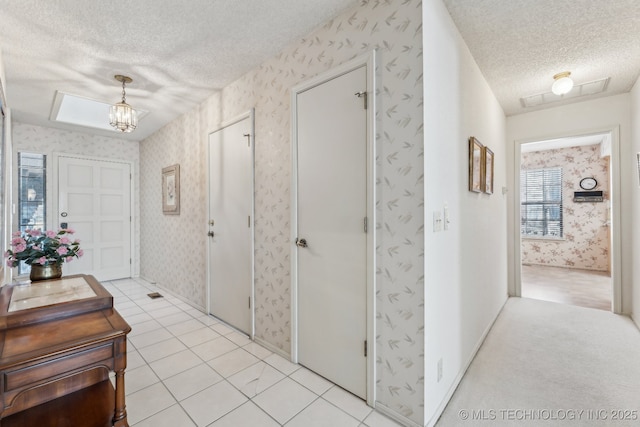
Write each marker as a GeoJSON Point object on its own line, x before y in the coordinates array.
{"type": "Point", "coordinates": [331, 137]}
{"type": "Point", "coordinates": [231, 224]}
{"type": "Point", "coordinates": [94, 199]}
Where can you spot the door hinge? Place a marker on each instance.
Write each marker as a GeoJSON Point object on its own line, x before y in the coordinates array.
{"type": "Point", "coordinates": [366, 224]}
{"type": "Point", "coordinates": [130, 261]}
{"type": "Point", "coordinates": [365, 348]}
{"type": "Point", "coordinates": [364, 96]}
{"type": "Point", "coordinates": [249, 221]}
{"type": "Point", "coordinates": [249, 302]}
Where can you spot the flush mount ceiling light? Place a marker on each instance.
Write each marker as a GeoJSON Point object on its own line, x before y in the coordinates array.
{"type": "Point", "coordinates": [562, 83]}
{"type": "Point", "coordinates": [121, 116]}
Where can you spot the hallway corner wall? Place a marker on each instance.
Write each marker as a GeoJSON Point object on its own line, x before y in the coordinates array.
{"type": "Point", "coordinates": [466, 264]}
{"type": "Point", "coordinates": [173, 247]}
{"type": "Point", "coordinates": [635, 201]}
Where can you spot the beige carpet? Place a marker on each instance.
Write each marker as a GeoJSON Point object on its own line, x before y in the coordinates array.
{"type": "Point", "coordinates": [549, 364]}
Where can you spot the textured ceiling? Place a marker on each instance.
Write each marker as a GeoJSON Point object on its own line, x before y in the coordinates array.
{"type": "Point", "coordinates": [177, 52]}
{"type": "Point", "coordinates": [520, 44]}
{"type": "Point", "coordinates": [180, 52]}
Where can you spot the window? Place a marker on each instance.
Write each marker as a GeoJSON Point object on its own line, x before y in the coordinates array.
{"type": "Point", "coordinates": [31, 194]}
{"type": "Point", "coordinates": [541, 203]}
{"type": "Point", "coordinates": [3, 171]}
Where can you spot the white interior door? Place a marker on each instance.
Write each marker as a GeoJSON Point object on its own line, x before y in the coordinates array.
{"type": "Point", "coordinates": [231, 224]}
{"type": "Point", "coordinates": [331, 218]}
{"type": "Point", "coordinates": [94, 199]}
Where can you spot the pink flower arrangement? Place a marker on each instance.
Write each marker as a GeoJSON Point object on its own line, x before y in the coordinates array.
{"type": "Point", "coordinates": [43, 248]}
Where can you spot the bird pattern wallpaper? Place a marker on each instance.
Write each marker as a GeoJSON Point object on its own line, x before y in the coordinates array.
{"type": "Point", "coordinates": [394, 30]}
{"type": "Point", "coordinates": [585, 242]}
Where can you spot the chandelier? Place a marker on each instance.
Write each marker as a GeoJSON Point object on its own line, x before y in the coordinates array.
{"type": "Point", "coordinates": [121, 116]}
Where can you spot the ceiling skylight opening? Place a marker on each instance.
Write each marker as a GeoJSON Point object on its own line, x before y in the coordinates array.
{"type": "Point", "coordinates": [81, 111]}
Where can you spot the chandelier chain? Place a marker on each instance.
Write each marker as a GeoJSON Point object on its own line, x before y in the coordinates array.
{"type": "Point", "coordinates": [124, 99]}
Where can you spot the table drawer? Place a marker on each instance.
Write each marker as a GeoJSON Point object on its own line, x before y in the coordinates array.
{"type": "Point", "coordinates": [42, 371]}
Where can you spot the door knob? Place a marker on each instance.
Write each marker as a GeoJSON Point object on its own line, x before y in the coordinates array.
{"type": "Point", "coordinates": [301, 243]}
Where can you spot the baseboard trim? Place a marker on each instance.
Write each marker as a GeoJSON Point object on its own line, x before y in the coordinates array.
{"type": "Point", "coordinates": [173, 294]}
{"type": "Point", "coordinates": [386, 411]}
{"type": "Point", "coordinates": [635, 321]}
{"type": "Point", "coordinates": [263, 343]}
{"type": "Point", "coordinates": [436, 416]}
{"type": "Point", "coordinates": [272, 348]}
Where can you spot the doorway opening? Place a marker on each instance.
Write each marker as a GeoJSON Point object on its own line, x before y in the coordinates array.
{"type": "Point", "coordinates": [568, 199]}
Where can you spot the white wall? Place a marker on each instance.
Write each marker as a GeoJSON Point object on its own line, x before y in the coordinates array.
{"type": "Point", "coordinates": [635, 200]}
{"type": "Point", "coordinates": [3, 89]}
{"type": "Point", "coordinates": [579, 118]}
{"type": "Point", "coordinates": [465, 266]}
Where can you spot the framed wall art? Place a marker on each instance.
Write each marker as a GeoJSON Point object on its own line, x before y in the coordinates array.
{"type": "Point", "coordinates": [475, 165]}
{"type": "Point", "coordinates": [488, 170]}
{"type": "Point", "coordinates": [638, 160]}
{"type": "Point", "coordinates": [171, 190]}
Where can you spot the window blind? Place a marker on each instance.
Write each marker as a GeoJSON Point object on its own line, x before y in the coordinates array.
{"type": "Point", "coordinates": [541, 202]}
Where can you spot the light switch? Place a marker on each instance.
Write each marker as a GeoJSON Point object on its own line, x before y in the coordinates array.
{"type": "Point", "coordinates": [437, 221]}
{"type": "Point", "coordinates": [446, 217]}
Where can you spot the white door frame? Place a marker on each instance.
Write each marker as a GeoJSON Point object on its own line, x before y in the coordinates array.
{"type": "Point", "coordinates": [616, 248]}
{"type": "Point", "coordinates": [8, 169]}
{"type": "Point", "coordinates": [251, 115]}
{"type": "Point", "coordinates": [56, 196]}
{"type": "Point", "coordinates": [368, 60]}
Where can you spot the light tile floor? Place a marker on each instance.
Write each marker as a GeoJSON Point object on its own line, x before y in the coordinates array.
{"type": "Point", "coordinates": [185, 369]}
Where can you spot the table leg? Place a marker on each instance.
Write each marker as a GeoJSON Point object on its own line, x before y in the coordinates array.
{"type": "Point", "coordinates": [120, 414]}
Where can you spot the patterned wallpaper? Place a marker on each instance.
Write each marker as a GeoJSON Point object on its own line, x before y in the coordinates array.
{"type": "Point", "coordinates": [173, 248]}
{"type": "Point", "coordinates": [586, 237]}
{"type": "Point", "coordinates": [37, 139]}
{"type": "Point", "coordinates": [174, 252]}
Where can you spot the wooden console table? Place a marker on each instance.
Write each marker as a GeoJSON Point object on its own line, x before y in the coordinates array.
{"type": "Point", "coordinates": [59, 340]}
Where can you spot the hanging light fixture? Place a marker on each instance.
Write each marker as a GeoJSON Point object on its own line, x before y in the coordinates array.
{"type": "Point", "coordinates": [121, 116]}
{"type": "Point", "coordinates": [562, 83]}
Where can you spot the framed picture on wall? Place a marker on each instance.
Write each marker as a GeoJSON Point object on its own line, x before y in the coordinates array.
{"type": "Point", "coordinates": [638, 160]}
{"type": "Point", "coordinates": [475, 165]}
{"type": "Point", "coordinates": [171, 190]}
{"type": "Point", "coordinates": [487, 186]}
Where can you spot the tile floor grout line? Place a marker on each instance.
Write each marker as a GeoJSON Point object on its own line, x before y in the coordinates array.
{"type": "Point", "coordinates": [236, 342]}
